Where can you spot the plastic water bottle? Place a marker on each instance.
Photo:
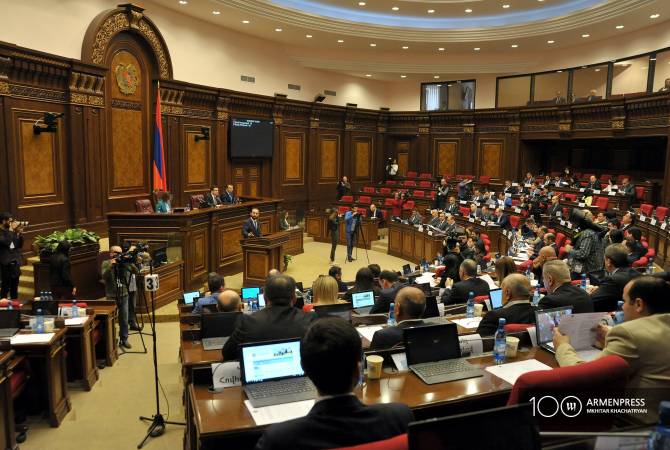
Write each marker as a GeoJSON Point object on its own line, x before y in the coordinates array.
{"type": "Point", "coordinates": [618, 315]}
{"type": "Point", "coordinates": [650, 265]}
{"type": "Point", "coordinates": [659, 439]}
{"type": "Point", "coordinates": [391, 321]}
{"type": "Point", "coordinates": [536, 296]}
{"type": "Point", "coordinates": [529, 274]}
{"type": "Point", "coordinates": [39, 321]}
{"type": "Point", "coordinates": [470, 306]}
{"type": "Point", "coordinates": [75, 309]}
{"type": "Point", "coordinates": [500, 345]}
{"type": "Point", "coordinates": [10, 306]}
{"type": "Point", "coordinates": [583, 283]}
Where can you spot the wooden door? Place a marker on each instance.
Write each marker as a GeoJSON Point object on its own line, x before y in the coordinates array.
{"type": "Point", "coordinates": [445, 156]}
{"type": "Point", "coordinates": [402, 155]}
{"type": "Point", "coordinates": [247, 179]}
{"type": "Point", "coordinates": [491, 158]}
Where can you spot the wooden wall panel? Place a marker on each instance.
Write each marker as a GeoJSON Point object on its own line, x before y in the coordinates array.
{"type": "Point", "coordinates": [329, 151]}
{"type": "Point", "coordinates": [402, 155]}
{"type": "Point", "coordinates": [293, 159]}
{"type": "Point", "coordinates": [127, 160]}
{"type": "Point", "coordinates": [38, 158]}
{"type": "Point", "coordinates": [197, 166]}
{"type": "Point", "coordinates": [445, 156]}
{"type": "Point", "coordinates": [363, 159]}
{"type": "Point", "coordinates": [490, 157]}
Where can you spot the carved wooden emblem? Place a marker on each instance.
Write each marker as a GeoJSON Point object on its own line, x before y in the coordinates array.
{"type": "Point", "coordinates": [127, 78]}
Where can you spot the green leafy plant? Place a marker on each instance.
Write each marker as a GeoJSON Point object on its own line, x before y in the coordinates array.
{"type": "Point", "coordinates": [75, 236]}
{"type": "Point", "coordinates": [287, 259]}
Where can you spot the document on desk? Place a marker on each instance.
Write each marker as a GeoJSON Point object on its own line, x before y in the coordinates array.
{"type": "Point", "coordinates": [468, 323]}
{"type": "Point", "coordinates": [471, 345]}
{"type": "Point", "coordinates": [400, 361]}
{"type": "Point", "coordinates": [267, 415]}
{"type": "Point", "coordinates": [75, 321]}
{"type": "Point", "coordinates": [580, 328]}
{"type": "Point", "coordinates": [426, 277]}
{"type": "Point", "coordinates": [31, 338]}
{"type": "Point", "coordinates": [492, 284]}
{"type": "Point", "coordinates": [511, 371]}
{"type": "Point", "coordinates": [369, 331]}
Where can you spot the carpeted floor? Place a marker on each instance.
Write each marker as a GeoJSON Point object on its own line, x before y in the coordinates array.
{"type": "Point", "coordinates": [106, 418]}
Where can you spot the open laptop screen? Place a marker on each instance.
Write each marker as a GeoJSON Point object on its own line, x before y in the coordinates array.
{"type": "Point", "coordinates": [363, 299]}
{"type": "Point", "coordinates": [267, 361]}
{"type": "Point", "coordinates": [548, 319]}
{"type": "Point", "coordinates": [261, 301]}
{"type": "Point", "coordinates": [406, 269]}
{"type": "Point", "coordinates": [250, 292]}
{"type": "Point", "coordinates": [190, 297]}
{"type": "Point", "coordinates": [431, 343]}
{"type": "Point", "coordinates": [496, 298]}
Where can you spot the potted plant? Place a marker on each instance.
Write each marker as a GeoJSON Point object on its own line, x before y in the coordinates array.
{"type": "Point", "coordinates": [287, 259]}
{"type": "Point", "coordinates": [46, 245]}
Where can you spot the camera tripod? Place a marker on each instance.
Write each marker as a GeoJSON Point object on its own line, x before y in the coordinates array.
{"type": "Point", "coordinates": [358, 230]}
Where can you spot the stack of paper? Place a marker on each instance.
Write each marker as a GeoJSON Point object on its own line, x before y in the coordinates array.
{"type": "Point", "coordinates": [75, 321]}
{"type": "Point", "coordinates": [468, 323]}
{"type": "Point", "coordinates": [31, 338]}
{"type": "Point", "coordinates": [369, 331]}
{"type": "Point", "coordinates": [510, 372]}
{"type": "Point", "coordinates": [279, 413]}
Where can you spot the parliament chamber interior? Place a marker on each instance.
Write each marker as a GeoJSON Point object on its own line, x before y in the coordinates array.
{"type": "Point", "coordinates": [335, 224]}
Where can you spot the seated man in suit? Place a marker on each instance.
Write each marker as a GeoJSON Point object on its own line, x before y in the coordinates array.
{"type": "Point", "coordinates": [606, 295]}
{"type": "Point", "coordinates": [501, 219]}
{"type": "Point", "coordinates": [278, 320]}
{"type": "Point", "coordinates": [216, 284]}
{"type": "Point", "coordinates": [452, 206]}
{"type": "Point", "coordinates": [211, 198]}
{"type": "Point", "coordinates": [593, 184]}
{"type": "Point", "coordinates": [416, 218]}
{"type": "Point", "coordinates": [627, 189]}
{"type": "Point", "coordinates": [545, 255]}
{"type": "Point", "coordinates": [554, 210]}
{"type": "Point", "coordinates": [635, 248]}
{"type": "Point", "coordinates": [451, 224]}
{"type": "Point", "coordinates": [458, 292]}
{"type": "Point", "coordinates": [229, 196]}
{"type": "Point", "coordinates": [474, 211]}
{"type": "Point", "coordinates": [390, 284]}
{"type": "Point", "coordinates": [642, 340]}
{"type": "Point", "coordinates": [560, 292]}
{"type": "Point", "coordinates": [410, 303]}
{"type": "Point", "coordinates": [331, 357]}
{"type": "Point", "coordinates": [485, 214]}
{"type": "Point", "coordinates": [559, 99]}
{"type": "Point", "coordinates": [336, 272]}
{"type": "Point", "coordinates": [229, 301]}
{"type": "Point", "coordinates": [434, 217]}
{"type": "Point", "coordinates": [252, 227]}
{"type": "Point", "coordinates": [442, 224]}
{"type": "Point", "coordinates": [516, 307]}
{"type": "Point", "coordinates": [509, 189]}
{"type": "Point", "coordinates": [376, 214]}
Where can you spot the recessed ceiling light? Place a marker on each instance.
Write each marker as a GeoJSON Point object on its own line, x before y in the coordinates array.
{"type": "Point", "coordinates": [655, 16]}
{"type": "Point", "coordinates": [597, 70]}
{"type": "Point", "coordinates": [619, 27]}
{"type": "Point", "coordinates": [505, 6]}
{"type": "Point", "coordinates": [216, 13]}
{"type": "Point", "coordinates": [477, 49]}
{"type": "Point", "coordinates": [585, 35]}
{"type": "Point", "coordinates": [403, 76]}
{"type": "Point", "coordinates": [395, 8]}
{"type": "Point", "coordinates": [245, 21]}
{"type": "Point", "coordinates": [368, 74]}
{"type": "Point", "coordinates": [361, 3]}
{"type": "Point", "coordinates": [441, 49]}
{"type": "Point", "coordinates": [540, 1]}
{"type": "Point", "coordinates": [308, 36]}
{"type": "Point", "coordinates": [372, 44]}
{"type": "Point", "coordinates": [278, 30]}
{"type": "Point", "coordinates": [550, 41]}
{"type": "Point", "coordinates": [405, 47]}
{"type": "Point", "coordinates": [468, 11]}
{"type": "Point", "coordinates": [514, 45]}
{"type": "Point", "coordinates": [430, 11]}
{"type": "Point", "coordinates": [559, 71]}
{"type": "Point", "coordinates": [584, 67]}
{"type": "Point", "coordinates": [339, 41]}
{"type": "Point", "coordinates": [436, 76]}
{"type": "Point", "coordinates": [183, 2]}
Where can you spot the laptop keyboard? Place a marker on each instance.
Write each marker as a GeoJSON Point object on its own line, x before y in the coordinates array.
{"type": "Point", "coordinates": [288, 387]}
{"type": "Point", "coordinates": [444, 367]}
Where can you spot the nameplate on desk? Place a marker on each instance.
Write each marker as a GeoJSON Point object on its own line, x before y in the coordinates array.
{"type": "Point", "coordinates": [430, 233]}
{"type": "Point", "coordinates": [581, 189]}
{"type": "Point", "coordinates": [664, 225]}
{"type": "Point", "coordinates": [527, 185]}
{"type": "Point", "coordinates": [596, 191]}
{"type": "Point", "coordinates": [515, 184]}
{"type": "Point", "coordinates": [643, 218]}
{"type": "Point", "coordinates": [581, 204]}
{"type": "Point", "coordinates": [471, 345]}
{"type": "Point", "coordinates": [652, 222]}
{"type": "Point", "coordinates": [471, 219]}
{"type": "Point", "coordinates": [507, 194]}
{"type": "Point", "coordinates": [226, 374]}
{"type": "Point", "coordinates": [483, 223]}
{"type": "Point", "coordinates": [562, 222]}
{"type": "Point", "coordinates": [570, 225]}
{"type": "Point", "coordinates": [420, 229]}
{"type": "Point", "coordinates": [517, 210]}
{"type": "Point", "coordinates": [611, 193]}
{"type": "Point", "coordinates": [462, 202]}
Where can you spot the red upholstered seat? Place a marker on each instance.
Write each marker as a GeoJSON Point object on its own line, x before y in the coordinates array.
{"type": "Point", "coordinates": [605, 177]}
{"type": "Point", "coordinates": [642, 262]}
{"type": "Point", "coordinates": [342, 209]}
{"type": "Point", "coordinates": [411, 174]}
{"type": "Point", "coordinates": [646, 209]}
{"type": "Point", "coordinates": [433, 194]}
{"type": "Point", "coordinates": [409, 183]}
{"type": "Point", "coordinates": [560, 239]}
{"type": "Point", "coordinates": [515, 202]}
{"type": "Point", "coordinates": [561, 253]}
{"type": "Point", "coordinates": [610, 371]}
{"type": "Point", "coordinates": [69, 305]}
{"type": "Point", "coordinates": [390, 182]}
{"type": "Point", "coordinates": [620, 178]}
{"type": "Point", "coordinates": [143, 205]}
{"type": "Point", "coordinates": [347, 198]}
{"type": "Point", "coordinates": [389, 202]}
{"type": "Point", "coordinates": [369, 189]}
{"type": "Point", "coordinates": [514, 221]}
{"type": "Point", "coordinates": [17, 380]}
{"type": "Point", "coordinates": [384, 190]}
{"type": "Point", "coordinates": [425, 175]}
{"type": "Point", "coordinates": [424, 184]}
{"type": "Point", "coordinates": [463, 210]}
{"type": "Point", "coordinates": [484, 179]}
{"type": "Point", "coordinates": [575, 282]}
{"type": "Point", "coordinates": [365, 199]}
{"type": "Point", "coordinates": [639, 193]}
{"type": "Point", "coordinates": [517, 327]}
{"type": "Point", "coordinates": [196, 200]}
{"type": "Point", "coordinates": [363, 212]}
{"type": "Point", "coordinates": [651, 253]}
{"type": "Point", "coordinates": [480, 298]}
{"type": "Point", "coordinates": [419, 194]}
{"type": "Point", "coordinates": [586, 176]}
{"type": "Point", "coordinates": [601, 203]}
{"type": "Point", "coordinates": [570, 197]}
{"type": "Point", "coordinates": [409, 204]}
{"type": "Point", "coordinates": [525, 265]}
{"type": "Point", "coordinates": [661, 212]}
{"type": "Point", "coordinates": [399, 442]}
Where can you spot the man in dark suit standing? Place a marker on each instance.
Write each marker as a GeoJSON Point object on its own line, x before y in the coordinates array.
{"type": "Point", "coordinates": [343, 188]}
{"type": "Point", "coordinates": [390, 287]}
{"type": "Point", "coordinates": [606, 295]}
{"type": "Point", "coordinates": [278, 320]}
{"type": "Point", "coordinates": [410, 303]}
{"type": "Point", "coordinates": [229, 196]}
{"type": "Point", "coordinates": [560, 292]}
{"type": "Point", "coordinates": [516, 308]}
{"type": "Point", "coordinates": [11, 242]}
{"type": "Point", "coordinates": [459, 292]}
{"type": "Point", "coordinates": [331, 356]}
{"type": "Point", "coordinates": [211, 198]}
{"type": "Point", "coordinates": [252, 227]}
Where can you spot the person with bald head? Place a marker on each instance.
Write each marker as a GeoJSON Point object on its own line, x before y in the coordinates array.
{"type": "Point", "coordinates": [560, 292]}
{"type": "Point", "coordinates": [546, 254]}
{"type": "Point", "coordinates": [516, 305]}
{"type": "Point", "coordinates": [410, 303]}
{"type": "Point", "coordinates": [229, 301]}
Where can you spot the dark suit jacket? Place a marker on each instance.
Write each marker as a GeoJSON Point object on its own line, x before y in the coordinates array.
{"type": "Point", "coordinates": [459, 291]}
{"type": "Point", "coordinates": [386, 297]}
{"type": "Point", "coordinates": [228, 198]}
{"type": "Point", "coordinates": [7, 254]}
{"type": "Point", "coordinates": [610, 291]}
{"type": "Point", "coordinates": [512, 313]}
{"type": "Point", "coordinates": [503, 221]}
{"type": "Point", "coordinates": [392, 336]}
{"type": "Point", "coordinates": [637, 252]}
{"type": "Point", "coordinates": [377, 214]}
{"type": "Point", "coordinates": [451, 209]}
{"type": "Point", "coordinates": [341, 421]}
{"type": "Point", "coordinates": [210, 199]}
{"type": "Point", "coordinates": [568, 295]}
{"type": "Point", "coordinates": [248, 229]}
{"type": "Point", "coordinates": [553, 209]}
{"type": "Point", "coordinates": [270, 323]}
{"type": "Point", "coordinates": [59, 271]}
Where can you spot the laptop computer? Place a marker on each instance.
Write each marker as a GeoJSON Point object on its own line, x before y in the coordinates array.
{"type": "Point", "coordinates": [434, 354]}
{"type": "Point", "coordinates": [48, 307]}
{"type": "Point", "coordinates": [545, 322]}
{"type": "Point", "coordinates": [191, 297]}
{"type": "Point", "coordinates": [431, 308]}
{"type": "Point", "coordinates": [272, 374]}
{"type": "Point", "coordinates": [342, 310]}
{"type": "Point", "coordinates": [406, 269]}
{"type": "Point", "coordinates": [596, 277]}
{"type": "Point", "coordinates": [456, 432]}
{"type": "Point", "coordinates": [495, 299]}
{"type": "Point", "coordinates": [363, 301]}
{"type": "Point", "coordinates": [216, 328]}
{"type": "Point", "coordinates": [10, 322]}
{"type": "Point", "coordinates": [250, 292]}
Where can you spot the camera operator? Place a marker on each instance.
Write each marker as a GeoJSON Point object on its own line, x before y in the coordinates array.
{"type": "Point", "coordinates": [391, 169]}
{"type": "Point", "coordinates": [117, 273]}
{"type": "Point", "coordinates": [352, 219]}
{"type": "Point", "coordinates": [11, 242]}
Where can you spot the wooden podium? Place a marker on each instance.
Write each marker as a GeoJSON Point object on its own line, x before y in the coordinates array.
{"type": "Point", "coordinates": [260, 255]}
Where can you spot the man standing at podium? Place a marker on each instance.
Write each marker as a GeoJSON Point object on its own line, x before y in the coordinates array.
{"type": "Point", "coordinates": [252, 227]}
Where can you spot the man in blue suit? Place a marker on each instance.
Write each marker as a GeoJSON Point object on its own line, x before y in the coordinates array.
{"type": "Point", "coordinates": [351, 220]}
{"type": "Point", "coordinates": [229, 196]}
{"type": "Point", "coordinates": [252, 227]}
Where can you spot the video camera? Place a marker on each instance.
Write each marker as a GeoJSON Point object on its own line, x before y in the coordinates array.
{"type": "Point", "coordinates": [452, 239]}
{"type": "Point", "coordinates": [131, 252]}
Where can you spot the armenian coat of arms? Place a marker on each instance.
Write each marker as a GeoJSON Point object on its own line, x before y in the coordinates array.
{"type": "Point", "coordinates": [127, 78]}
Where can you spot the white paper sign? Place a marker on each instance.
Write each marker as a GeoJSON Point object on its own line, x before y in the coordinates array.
{"type": "Point", "coordinates": [663, 225]}
{"type": "Point", "coordinates": [483, 223]}
{"type": "Point", "coordinates": [570, 225]}
{"type": "Point", "coordinates": [581, 189]}
{"type": "Point", "coordinates": [643, 218]}
{"type": "Point", "coordinates": [517, 210]}
{"type": "Point", "coordinates": [471, 219]}
{"type": "Point", "coordinates": [471, 345]}
{"type": "Point", "coordinates": [596, 191]}
{"type": "Point", "coordinates": [581, 204]}
{"type": "Point", "coordinates": [462, 202]}
{"type": "Point", "coordinates": [511, 371]}
{"type": "Point", "coordinates": [279, 413]}
{"type": "Point", "coordinates": [515, 184]}
{"type": "Point", "coordinates": [562, 222]}
{"type": "Point", "coordinates": [226, 374]}
{"type": "Point", "coordinates": [652, 221]}
{"type": "Point", "coordinates": [611, 194]}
